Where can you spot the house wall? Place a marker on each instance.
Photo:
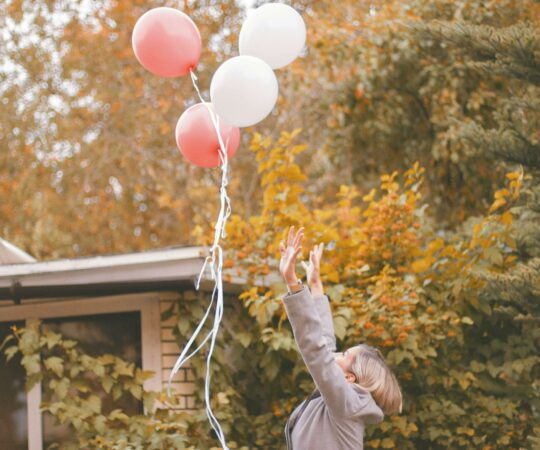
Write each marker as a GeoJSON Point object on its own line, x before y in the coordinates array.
{"type": "Point", "coordinates": [151, 305]}
{"type": "Point", "coordinates": [184, 381]}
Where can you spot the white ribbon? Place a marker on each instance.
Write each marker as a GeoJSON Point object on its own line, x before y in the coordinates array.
{"type": "Point", "coordinates": [216, 252]}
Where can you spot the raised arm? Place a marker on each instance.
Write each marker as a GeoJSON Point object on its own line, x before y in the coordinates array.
{"type": "Point", "coordinates": [313, 274]}
{"type": "Point", "coordinates": [339, 395]}
{"type": "Point", "coordinates": [322, 306]}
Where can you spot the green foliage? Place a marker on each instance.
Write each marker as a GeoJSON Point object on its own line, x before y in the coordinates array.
{"type": "Point", "coordinates": [455, 310]}
{"type": "Point", "coordinates": [420, 295]}
{"type": "Point", "coordinates": [394, 96]}
{"type": "Point", "coordinates": [443, 311]}
{"type": "Point", "coordinates": [84, 392]}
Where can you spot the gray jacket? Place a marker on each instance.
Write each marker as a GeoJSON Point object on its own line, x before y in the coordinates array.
{"type": "Point", "coordinates": [336, 420]}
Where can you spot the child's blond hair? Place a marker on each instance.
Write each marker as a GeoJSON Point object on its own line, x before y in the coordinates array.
{"type": "Point", "coordinates": [373, 375]}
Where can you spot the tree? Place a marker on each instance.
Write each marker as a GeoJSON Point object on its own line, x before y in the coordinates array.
{"type": "Point", "coordinates": [454, 310]}
{"type": "Point", "coordinates": [392, 98]}
{"type": "Point", "coordinates": [89, 163]}
{"type": "Point", "coordinates": [394, 281]}
{"type": "Point", "coordinates": [88, 133]}
{"type": "Point", "coordinates": [401, 284]}
{"type": "Point", "coordinates": [502, 348]}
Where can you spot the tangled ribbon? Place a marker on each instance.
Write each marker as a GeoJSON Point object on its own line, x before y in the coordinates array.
{"type": "Point", "coordinates": [216, 258]}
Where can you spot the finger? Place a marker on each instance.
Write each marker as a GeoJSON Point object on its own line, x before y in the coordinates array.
{"type": "Point", "coordinates": [298, 236]}
{"type": "Point", "coordinates": [298, 243]}
{"type": "Point", "coordinates": [281, 247]}
{"type": "Point", "coordinates": [290, 236]}
{"type": "Point", "coordinates": [304, 265]}
{"type": "Point", "coordinates": [321, 248]}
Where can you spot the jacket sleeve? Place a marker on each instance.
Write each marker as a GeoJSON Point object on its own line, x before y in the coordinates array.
{"type": "Point", "coordinates": [339, 395]}
{"type": "Point", "coordinates": [327, 324]}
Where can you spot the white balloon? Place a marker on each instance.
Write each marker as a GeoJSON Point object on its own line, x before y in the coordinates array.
{"type": "Point", "coordinates": [244, 90]}
{"type": "Point", "coordinates": [274, 32]}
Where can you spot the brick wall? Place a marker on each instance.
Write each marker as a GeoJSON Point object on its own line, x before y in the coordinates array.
{"type": "Point", "coordinates": [183, 382]}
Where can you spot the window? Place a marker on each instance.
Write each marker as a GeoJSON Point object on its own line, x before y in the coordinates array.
{"type": "Point", "coordinates": [118, 334]}
{"type": "Point", "coordinates": [127, 326]}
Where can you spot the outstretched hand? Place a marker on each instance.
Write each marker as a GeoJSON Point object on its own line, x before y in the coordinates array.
{"type": "Point", "coordinates": [287, 264]}
{"type": "Point", "coordinates": [313, 270]}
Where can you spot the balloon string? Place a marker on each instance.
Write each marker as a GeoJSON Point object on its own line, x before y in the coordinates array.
{"type": "Point", "coordinates": [216, 252]}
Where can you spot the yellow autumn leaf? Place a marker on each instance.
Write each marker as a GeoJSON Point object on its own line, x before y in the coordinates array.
{"type": "Point", "coordinates": [297, 149]}
{"type": "Point", "coordinates": [513, 175]}
{"type": "Point", "coordinates": [497, 204]}
{"type": "Point", "coordinates": [388, 443]}
{"type": "Point", "coordinates": [510, 258]}
{"type": "Point", "coordinates": [421, 265]}
{"type": "Point", "coordinates": [506, 218]}
{"type": "Point", "coordinates": [436, 245]}
{"type": "Point", "coordinates": [369, 197]}
{"type": "Point", "coordinates": [501, 193]}
{"type": "Point", "coordinates": [266, 143]}
{"type": "Point", "coordinates": [333, 276]}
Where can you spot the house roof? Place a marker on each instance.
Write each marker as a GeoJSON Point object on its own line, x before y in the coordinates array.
{"type": "Point", "coordinates": [9, 254]}
{"type": "Point", "coordinates": [153, 270]}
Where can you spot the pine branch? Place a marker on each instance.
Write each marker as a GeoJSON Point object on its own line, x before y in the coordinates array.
{"type": "Point", "coordinates": [528, 238]}
{"type": "Point", "coordinates": [513, 51]}
{"type": "Point", "coordinates": [517, 287]}
{"type": "Point", "coordinates": [506, 142]}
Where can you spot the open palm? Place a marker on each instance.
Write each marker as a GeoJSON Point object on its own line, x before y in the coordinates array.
{"type": "Point", "coordinates": [288, 254]}
{"type": "Point", "coordinates": [313, 269]}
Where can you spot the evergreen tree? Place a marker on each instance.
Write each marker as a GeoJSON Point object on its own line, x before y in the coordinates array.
{"type": "Point", "coordinates": [502, 348]}
{"type": "Point", "coordinates": [393, 97]}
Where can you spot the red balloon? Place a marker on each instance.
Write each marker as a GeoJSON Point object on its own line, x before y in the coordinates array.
{"type": "Point", "coordinates": [166, 42]}
{"type": "Point", "coordinates": [197, 139]}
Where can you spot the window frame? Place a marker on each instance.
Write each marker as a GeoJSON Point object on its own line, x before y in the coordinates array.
{"type": "Point", "coordinates": [147, 304]}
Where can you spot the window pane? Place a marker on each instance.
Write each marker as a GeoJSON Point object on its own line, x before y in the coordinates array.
{"type": "Point", "coordinates": [13, 411]}
{"type": "Point", "coordinates": [117, 334]}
